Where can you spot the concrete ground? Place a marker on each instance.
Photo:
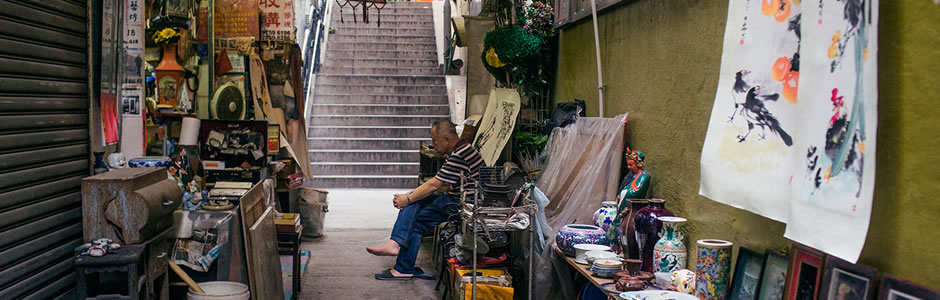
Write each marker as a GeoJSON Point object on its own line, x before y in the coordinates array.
{"type": "Point", "coordinates": [340, 267]}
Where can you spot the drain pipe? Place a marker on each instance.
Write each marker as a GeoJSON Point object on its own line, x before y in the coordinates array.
{"type": "Point", "coordinates": [597, 51]}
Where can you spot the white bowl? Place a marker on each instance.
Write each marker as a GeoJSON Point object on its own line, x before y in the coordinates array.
{"type": "Point", "coordinates": [581, 249]}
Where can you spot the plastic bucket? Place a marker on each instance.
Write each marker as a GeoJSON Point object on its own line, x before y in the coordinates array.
{"type": "Point", "coordinates": [216, 290]}
{"type": "Point", "coordinates": [313, 209]}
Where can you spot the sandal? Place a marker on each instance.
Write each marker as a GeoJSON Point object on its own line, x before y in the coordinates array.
{"type": "Point", "coordinates": [387, 275]}
{"type": "Point", "coordinates": [421, 275]}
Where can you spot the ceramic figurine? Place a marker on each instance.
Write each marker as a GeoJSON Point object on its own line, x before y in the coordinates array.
{"type": "Point", "coordinates": [634, 185]}
{"type": "Point", "coordinates": [605, 215]}
{"type": "Point", "coordinates": [669, 253]}
{"type": "Point", "coordinates": [116, 160]}
{"type": "Point", "coordinates": [712, 269]}
{"type": "Point", "coordinates": [648, 228]}
{"type": "Point", "coordinates": [683, 281]}
{"type": "Point", "coordinates": [573, 234]}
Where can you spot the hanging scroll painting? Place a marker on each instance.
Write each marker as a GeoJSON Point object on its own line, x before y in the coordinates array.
{"type": "Point", "coordinates": [748, 152]}
{"type": "Point", "coordinates": [834, 185]}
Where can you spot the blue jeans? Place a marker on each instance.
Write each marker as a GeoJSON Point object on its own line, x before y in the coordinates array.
{"type": "Point", "coordinates": [412, 222]}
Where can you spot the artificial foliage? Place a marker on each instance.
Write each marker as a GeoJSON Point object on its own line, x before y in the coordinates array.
{"type": "Point", "coordinates": [165, 36]}
{"type": "Point", "coordinates": [511, 54]}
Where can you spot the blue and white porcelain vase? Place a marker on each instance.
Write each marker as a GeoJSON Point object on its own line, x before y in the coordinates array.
{"type": "Point", "coordinates": [669, 253]}
{"type": "Point", "coordinates": [605, 215]}
{"type": "Point", "coordinates": [149, 161]}
{"type": "Point", "coordinates": [573, 234]}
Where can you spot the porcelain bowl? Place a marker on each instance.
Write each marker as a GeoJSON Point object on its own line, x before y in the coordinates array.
{"type": "Point", "coordinates": [582, 249]}
{"type": "Point", "coordinates": [573, 234]}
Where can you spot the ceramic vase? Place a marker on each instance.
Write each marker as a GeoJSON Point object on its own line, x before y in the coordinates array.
{"type": "Point", "coordinates": [573, 234]}
{"type": "Point", "coordinates": [605, 215]}
{"type": "Point", "coordinates": [647, 230]}
{"type": "Point", "coordinates": [631, 246]}
{"type": "Point", "coordinates": [169, 75]}
{"type": "Point", "coordinates": [712, 269]}
{"type": "Point", "coordinates": [669, 253]}
{"type": "Point", "coordinates": [100, 167]}
{"type": "Point", "coordinates": [149, 161]}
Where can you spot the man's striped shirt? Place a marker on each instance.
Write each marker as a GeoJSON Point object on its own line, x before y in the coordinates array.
{"type": "Point", "coordinates": [463, 160]}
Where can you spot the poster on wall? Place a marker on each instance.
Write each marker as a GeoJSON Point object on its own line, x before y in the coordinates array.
{"type": "Point", "coordinates": [498, 121]}
{"type": "Point", "coordinates": [834, 183]}
{"type": "Point", "coordinates": [748, 152]}
{"type": "Point", "coordinates": [236, 18]}
{"type": "Point", "coordinates": [277, 18]}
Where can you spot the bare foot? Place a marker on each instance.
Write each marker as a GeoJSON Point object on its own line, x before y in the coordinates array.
{"type": "Point", "coordinates": [399, 274]}
{"type": "Point", "coordinates": [389, 248]}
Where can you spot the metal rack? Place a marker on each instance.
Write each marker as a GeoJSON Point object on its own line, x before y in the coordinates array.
{"type": "Point", "coordinates": [475, 216]}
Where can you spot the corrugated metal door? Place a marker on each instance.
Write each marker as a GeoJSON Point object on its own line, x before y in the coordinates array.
{"type": "Point", "coordinates": [43, 145]}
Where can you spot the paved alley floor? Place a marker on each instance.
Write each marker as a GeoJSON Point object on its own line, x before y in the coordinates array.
{"type": "Point", "coordinates": [340, 267]}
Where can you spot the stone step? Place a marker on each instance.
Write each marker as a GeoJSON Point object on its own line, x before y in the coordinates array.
{"type": "Point", "coordinates": [431, 89]}
{"type": "Point", "coordinates": [380, 181]}
{"type": "Point", "coordinates": [379, 109]}
{"type": "Point", "coordinates": [324, 98]}
{"type": "Point", "coordinates": [390, 45]}
{"type": "Point", "coordinates": [385, 24]}
{"type": "Point", "coordinates": [366, 143]}
{"type": "Point", "coordinates": [391, 54]}
{"type": "Point", "coordinates": [381, 79]}
{"type": "Point", "coordinates": [367, 168]}
{"type": "Point", "coordinates": [370, 131]}
{"type": "Point", "coordinates": [425, 31]}
{"type": "Point", "coordinates": [339, 70]}
{"type": "Point", "coordinates": [379, 62]}
{"type": "Point", "coordinates": [347, 17]}
{"type": "Point", "coordinates": [347, 155]}
{"type": "Point", "coordinates": [375, 120]}
{"type": "Point", "coordinates": [377, 38]}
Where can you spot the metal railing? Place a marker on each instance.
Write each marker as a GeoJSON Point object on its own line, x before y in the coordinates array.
{"type": "Point", "coordinates": [313, 39]}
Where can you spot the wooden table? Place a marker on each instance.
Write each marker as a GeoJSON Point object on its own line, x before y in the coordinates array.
{"type": "Point", "coordinates": [586, 272]}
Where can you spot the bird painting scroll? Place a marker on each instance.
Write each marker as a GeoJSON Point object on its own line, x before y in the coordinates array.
{"type": "Point", "coordinates": [751, 133]}
{"type": "Point", "coordinates": [833, 185]}
{"type": "Point", "coordinates": [791, 135]}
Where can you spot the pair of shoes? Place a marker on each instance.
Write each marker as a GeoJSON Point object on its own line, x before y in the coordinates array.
{"type": "Point", "coordinates": [387, 275]}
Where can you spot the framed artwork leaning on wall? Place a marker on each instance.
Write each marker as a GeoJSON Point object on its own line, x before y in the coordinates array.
{"type": "Point", "coordinates": [747, 272]}
{"type": "Point", "coordinates": [845, 280]}
{"type": "Point", "coordinates": [805, 271]}
{"type": "Point", "coordinates": [895, 288]}
{"type": "Point", "coordinates": [773, 276]}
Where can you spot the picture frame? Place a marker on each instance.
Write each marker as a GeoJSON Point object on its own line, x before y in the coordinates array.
{"type": "Point", "coordinates": [773, 277]}
{"type": "Point", "coordinates": [895, 288]}
{"type": "Point", "coordinates": [806, 268]}
{"type": "Point", "coordinates": [747, 271]}
{"type": "Point", "coordinates": [845, 280]}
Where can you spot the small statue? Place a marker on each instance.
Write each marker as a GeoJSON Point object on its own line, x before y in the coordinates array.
{"type": "Point", "coordinates": [683, 281]}
{"type": "Point", "coordinates": [635, 184]}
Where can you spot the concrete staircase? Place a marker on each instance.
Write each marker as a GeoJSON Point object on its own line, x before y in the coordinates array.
{"type": "Point", "coordinates": [376, 96]}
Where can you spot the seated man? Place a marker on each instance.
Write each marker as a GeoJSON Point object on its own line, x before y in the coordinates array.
{"type": "Point", "coordinates": [420, 209]}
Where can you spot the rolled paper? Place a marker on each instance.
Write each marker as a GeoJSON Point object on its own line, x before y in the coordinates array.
{"type": "Point", "coordinates": [712, 269]}
{"type": "Point", "coordinates": [189, 133]}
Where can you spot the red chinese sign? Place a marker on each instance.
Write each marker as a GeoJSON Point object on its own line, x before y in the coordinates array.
{"type": "Point", "coordinates": [236, 18]}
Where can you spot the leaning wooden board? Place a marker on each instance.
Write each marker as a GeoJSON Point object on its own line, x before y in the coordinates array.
{"type": "Point", "coordinates": [264, 266]}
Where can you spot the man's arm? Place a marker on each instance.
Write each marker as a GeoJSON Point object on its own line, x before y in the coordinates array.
{"type": "Point", "coordinates": [425, 189]}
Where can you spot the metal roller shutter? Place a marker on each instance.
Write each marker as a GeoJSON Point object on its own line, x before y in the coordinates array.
{"type": "Point", "coordinates": [44, 140]}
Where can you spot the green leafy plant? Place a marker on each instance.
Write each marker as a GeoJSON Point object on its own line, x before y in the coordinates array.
{"type": "Point", "coordinates": [511, 54]}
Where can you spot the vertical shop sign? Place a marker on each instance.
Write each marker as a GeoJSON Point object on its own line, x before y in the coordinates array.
{"type": "Point", "coordinates": [236, 18]}
{"type": "Point", "coordinates": [277, 20]}
{"type": "Point", "coordinates": [133, 29]}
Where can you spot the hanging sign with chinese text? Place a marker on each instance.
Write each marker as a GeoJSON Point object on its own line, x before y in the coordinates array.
{"type": "Point", "coordinates": [277, 20]}
{"type": "Point", "coordinates": [236, 18]}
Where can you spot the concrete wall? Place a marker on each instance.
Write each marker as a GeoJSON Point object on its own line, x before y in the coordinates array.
{"type": "Point", "coordinates": [661, 60]}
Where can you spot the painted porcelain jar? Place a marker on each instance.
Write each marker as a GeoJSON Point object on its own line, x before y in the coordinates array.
{"type": "Point", "coordinates": [605, 215]}
{"type": "Point", "coordinates": [670, 253]}
{"type": "Point", "coordinates": [573, 234]}
{"type": "Point", "coordinates": [712, 269]}
{"type": "Point", "coordinates": [149, 161]}
{"type": "Point", "coordinates": [647, 230]}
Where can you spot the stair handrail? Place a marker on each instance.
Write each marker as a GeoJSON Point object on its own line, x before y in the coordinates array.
{"type": "Point", "coordinates": [313, 44]}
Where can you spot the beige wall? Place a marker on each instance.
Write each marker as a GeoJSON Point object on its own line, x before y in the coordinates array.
{"type": "Point", "coordinates": [661, 60]}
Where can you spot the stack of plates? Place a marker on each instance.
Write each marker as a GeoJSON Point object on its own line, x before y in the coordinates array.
{"type": "Point", "coordinates": [605, 267]}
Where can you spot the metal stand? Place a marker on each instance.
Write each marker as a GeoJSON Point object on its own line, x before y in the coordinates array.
{"type": "Point", "coordinates": [475, 215]}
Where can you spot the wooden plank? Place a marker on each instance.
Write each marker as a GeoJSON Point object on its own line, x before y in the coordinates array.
{"type": "Point", "coordinates": [266, 259]}
{"type": "Point", "coordinates": [586, 272]}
